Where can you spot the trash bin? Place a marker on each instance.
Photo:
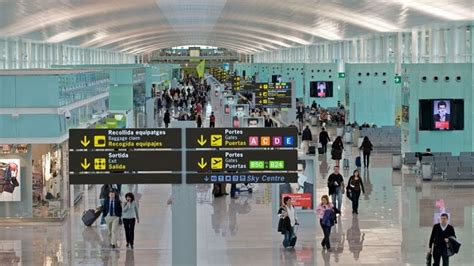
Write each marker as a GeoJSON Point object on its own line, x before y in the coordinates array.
{"type": "Point", "coordinates": [355, 136]}
{"type": "Point", "coordinates": [427, 171]}
{"type": "Point", "coordinates": [340, 131]}
{"type": "Point", "coordinates": [396, 161]}
{"type": "Point", "coordinates": [348, 137]}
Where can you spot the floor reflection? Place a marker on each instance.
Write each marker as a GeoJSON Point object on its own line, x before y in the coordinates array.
{"type": "Point", "coordinates": [354, 238]}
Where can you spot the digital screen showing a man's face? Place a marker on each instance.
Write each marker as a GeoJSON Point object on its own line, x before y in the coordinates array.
{"type": "Point", "coordinates": [441, 114]}
{"type": "Point", "coordinates": [442, 110]}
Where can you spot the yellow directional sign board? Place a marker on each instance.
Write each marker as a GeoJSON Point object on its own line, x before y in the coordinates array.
{"type": "Point", "coordinates": [125, 161]}
{"type": "Point", "coordinates": [241, 138]}
{"type": "Point", "coordinates": [132, 138]}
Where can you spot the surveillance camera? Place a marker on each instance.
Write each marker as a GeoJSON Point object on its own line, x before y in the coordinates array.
{"type": "Point", "coordinates": [67, 114]}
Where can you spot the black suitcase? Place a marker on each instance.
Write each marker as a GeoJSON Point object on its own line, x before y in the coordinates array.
{"type": "Point", "coordinates": [294, 238]}
{"type": "Point", "coordinates": [320, 151]}
{"type": "Point", "coordinates": [89, 216]}
{"type": "Point", "coordinates": [312, 150]}
{"type": "Point", "coordinates": [293, 241]}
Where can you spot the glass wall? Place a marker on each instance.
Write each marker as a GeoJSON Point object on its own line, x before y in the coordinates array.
{"type": "Point", "coordinates": [86, 114]}
{"type": "Point", "coordinates": [81, 86]}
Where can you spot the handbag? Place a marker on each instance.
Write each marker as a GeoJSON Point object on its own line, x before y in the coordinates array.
{"type": "Point", "coordinates": [428, 259]}
{"type": "Point", "coordinates": [349, 189]}
{"type": "Point", "coordinates": [8, 187]}
{"type": "Point", "coordinates": [349, 194]}
{"type": "Point", "coordinates": [15, 182]}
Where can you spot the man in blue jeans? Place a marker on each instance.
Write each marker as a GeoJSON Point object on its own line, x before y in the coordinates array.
{"type": "Point", "coordinates": [336, 187]}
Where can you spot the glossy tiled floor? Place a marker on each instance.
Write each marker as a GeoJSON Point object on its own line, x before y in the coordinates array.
{"type": "Point", "coordinates": [395, 220]}
{"type": "Point", "coordinates": [392, 228]}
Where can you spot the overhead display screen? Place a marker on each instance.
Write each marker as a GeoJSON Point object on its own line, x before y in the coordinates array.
{"type": "Point", "coordinates": [320, 89]}
{"type": "Point", "coordinates": [273, 95]}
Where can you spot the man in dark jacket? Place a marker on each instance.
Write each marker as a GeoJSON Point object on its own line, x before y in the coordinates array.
{"type": "Point", "coordinates": [167, 118]}
{"type": "Point", "coordinates": [268, 121]}
{"type": "Point", "coordinates": [440, 238]}
{"type": "Point", "coordinates": [104, 194]}
{"type": "Point", "coordinates": [307, 137]}
{"type": "Point", "coordinates": [112, 211]}
{"type": "Point", "coordinates": [324, 139]}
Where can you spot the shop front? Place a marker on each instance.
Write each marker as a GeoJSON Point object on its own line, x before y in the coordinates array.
{"type": "Point", "coordinates": [32, 183]}
{"type": "Point", "coordinates": [34, 179]}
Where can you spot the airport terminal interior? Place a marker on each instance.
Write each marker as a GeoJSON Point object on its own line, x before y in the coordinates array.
{"type": "Point", "coordinates": [236, 132]}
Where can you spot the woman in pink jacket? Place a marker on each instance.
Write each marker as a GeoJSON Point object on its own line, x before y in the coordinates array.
{"type": "Point", "coordinates": [322, 209]}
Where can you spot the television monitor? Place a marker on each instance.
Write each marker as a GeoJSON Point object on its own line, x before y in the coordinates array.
{"type": "Point", "coordinates": [441, 114]}
{"type": "Point", "coordinates": [321, 89]}
{"type": "Point", "coordinates": [276, 79]}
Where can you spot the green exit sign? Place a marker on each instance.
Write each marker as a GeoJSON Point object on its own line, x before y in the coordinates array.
{"type": "Point", "coordinates": [341, 75]}
{"type": "Point", "coordinates": [256, 165]}
{"type": "Point", "coordinates": [276, 165]}
{"type": "Point", "coordinates": [398, 79]}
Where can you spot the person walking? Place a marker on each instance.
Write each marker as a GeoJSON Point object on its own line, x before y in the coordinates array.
{"type": "Point", "coordinates": [268, 121]}
{"type": "Point", "coordinates": [113, 212]}
{"type": "Point", "coordinates": [288, 220]}
{"type": "Point", "coordinates": [199, 121]}
{"type": "Point", "coordinates": [300, 116]}
{"type": "Point", "coordinates": [366, 148]}
{"type": "Point", "coordinates": [354, 187]}
{"type": "Point", "coordinates": [129, 217]}
{"type": "Point", "coordinates": [336, 151]}
{"type": "Point", "coordinates": [440, 238]}
{"type": "Point", "coordinates": [336, 187]}
{"type": "Point", "coordinates": [324, 139]}
{"type": "Point", "coordinates": [167, 118]}
{"type": "Point", "coordinates": [307, 137]}
{"type": "Point", "coordinates": [325, 212]}
{"type": "Point", "coordinates": [104, 194]}
{"type": "Point", "coordinates": [212, 120]}
{"type": "Point", "coordinates": [159, 105]}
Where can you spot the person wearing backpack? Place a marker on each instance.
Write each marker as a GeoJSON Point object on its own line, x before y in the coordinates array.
{"type": "Point", "coordinates": [288, 220]}
{"type": "Point", "coordinates": [212, 120]}
{"type": "Point", "coordinates": [366, 148]}
{"type": "Point", "coordinates": [337, 149]}
{"type": "Point", "coordinates": [325, 211]}
{"type": "Point", "coordinates": [306, 138]}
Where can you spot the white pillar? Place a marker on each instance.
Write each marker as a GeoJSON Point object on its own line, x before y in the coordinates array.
{"type": "Point", "coordinates": [414, 46]}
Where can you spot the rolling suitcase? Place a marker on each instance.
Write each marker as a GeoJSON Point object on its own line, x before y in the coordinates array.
{"type": "Point", "coordinates": [358, 162]}
{"type": "Point", "coordinates": [90, 216]}
{"type": "Point", "coordinates": [294, 238]}
{"type": "Point", "coordinates": [312, 150]}
{"type": "Point", "coordinates": [345, 163]}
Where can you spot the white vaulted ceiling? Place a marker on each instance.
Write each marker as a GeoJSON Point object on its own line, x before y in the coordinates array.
{"type": "Point", "coordinates": [247, 26]}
